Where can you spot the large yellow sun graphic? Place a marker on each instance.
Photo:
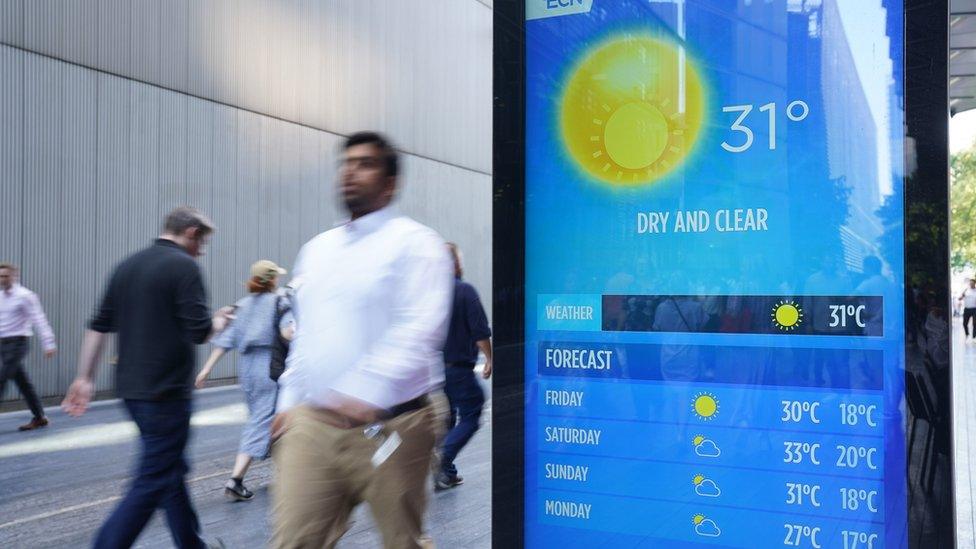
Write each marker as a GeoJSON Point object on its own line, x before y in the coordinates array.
{"type": "Point", "coordinates": [632, 109]}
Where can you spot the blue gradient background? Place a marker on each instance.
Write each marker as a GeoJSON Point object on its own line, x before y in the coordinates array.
{"type": "Point", "coordinates": [832, 198]}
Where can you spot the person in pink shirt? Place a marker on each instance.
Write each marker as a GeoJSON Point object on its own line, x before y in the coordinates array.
{"type": "Point", "coordinates": [20, 314]}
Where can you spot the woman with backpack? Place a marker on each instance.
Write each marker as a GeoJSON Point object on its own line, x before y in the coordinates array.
{"type": "Point", "coordinates": [261, 320]}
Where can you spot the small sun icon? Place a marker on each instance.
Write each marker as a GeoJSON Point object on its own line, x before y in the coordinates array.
{"type": "Point", "coordinates": [698, 519]}
{"type": "Point", "coordinates": [698, 479]}
{"type": "Point", "coordinates": [705, 405]}
{"type": "Point", "coordinates": [698, 440]}
{"type": "Point", "coordinates": [787, 315]}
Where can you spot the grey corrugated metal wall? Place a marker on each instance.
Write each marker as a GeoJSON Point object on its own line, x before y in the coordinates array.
{"type": "Point", "coordinates": [114, 111]}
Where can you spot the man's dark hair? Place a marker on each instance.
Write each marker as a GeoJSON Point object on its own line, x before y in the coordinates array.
{"type": "Point", "coordinates": [390, 155]}
{"type": "Point", "coordinates": [187, 217]}
{"type": "Point", "coordinates": [10, 267]}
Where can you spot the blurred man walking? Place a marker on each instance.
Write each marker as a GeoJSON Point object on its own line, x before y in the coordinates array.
{"type": "Point", "coordinates": [157, 304]}
{"type": "Point", "coordinates": [968, 299]}
{"type": "Point", "coordinates": [468, 333]}
{"type": "Point", "coordinates": [20, 309]}
{"type": "Point", "coordinates": [371, 306]}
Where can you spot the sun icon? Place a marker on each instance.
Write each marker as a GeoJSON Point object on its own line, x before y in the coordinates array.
{"type": "Point", "coordinates": [698, 519]}
{"type": "Point", "coordinates": [631, 109]}
{"type": "Point", "coordinates": [787, 315]}
{"type": "Point", "coordinates": [698, 479]}
{"type": "Point", "coordinates": [698, 440]}
{"type": "Point", "coordinates": [705, 405]}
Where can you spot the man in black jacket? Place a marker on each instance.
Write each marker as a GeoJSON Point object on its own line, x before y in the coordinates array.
{"type": "Point", "coordinates": [156, 302]}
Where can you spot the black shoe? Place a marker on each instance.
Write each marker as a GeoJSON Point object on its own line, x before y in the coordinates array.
{"type": "Point", "coordinates": [445, 481]}
{"type": "Point", "coordinates": [235, 491]}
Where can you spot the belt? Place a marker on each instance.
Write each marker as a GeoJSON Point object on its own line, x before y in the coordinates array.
{"type": "Point", "coordinates": [12, 338]}
{"type": "Point", "coordinates": [338, 420]}
{"type": "Point", "coordinates": [408, 406]}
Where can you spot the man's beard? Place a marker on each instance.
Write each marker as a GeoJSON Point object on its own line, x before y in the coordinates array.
{"type": "Point", "coordinates": [355, 204]}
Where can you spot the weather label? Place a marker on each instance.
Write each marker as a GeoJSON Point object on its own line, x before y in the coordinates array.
{"type": "Point", "coordinates": [714, 275]}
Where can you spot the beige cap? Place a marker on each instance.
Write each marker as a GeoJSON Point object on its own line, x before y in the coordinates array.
{"type": "Point", "coordinates": [266, 270]}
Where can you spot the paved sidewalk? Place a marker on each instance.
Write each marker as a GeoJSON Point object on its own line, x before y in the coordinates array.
{"type": "Point", "coordinates": [58, 484]}
{"type": "Point", "coordinates": [964, 408]}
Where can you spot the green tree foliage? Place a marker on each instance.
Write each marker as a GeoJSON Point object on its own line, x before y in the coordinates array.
{"type": "Point", "coordinates": [963, 209]}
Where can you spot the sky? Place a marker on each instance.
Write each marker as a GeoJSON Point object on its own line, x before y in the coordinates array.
{"type": "Point", "coordinates": [962, 131]}
{"type": "Point", "coordinates": [864, 23]}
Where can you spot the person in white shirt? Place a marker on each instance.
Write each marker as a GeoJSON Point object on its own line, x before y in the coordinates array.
{"type": "Point", "coordinates": [20, 310]}
{"type": "Point", "coordinates": [371, 305]}
{"type": "Point", "coordinates": [968, 298]}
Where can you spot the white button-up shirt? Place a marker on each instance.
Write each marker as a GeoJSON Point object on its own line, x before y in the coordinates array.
{"type": "Point", "coordinates": [19, 311]}
{"type": "Point", "coordinates": [969, 298]}
{"type": "Point", "coordinates": [371, 304]}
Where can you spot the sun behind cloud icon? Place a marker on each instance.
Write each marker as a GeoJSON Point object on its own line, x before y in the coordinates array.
{"type": "Point", "coordinates": [787, 315]}
{"type": "Point", "coordinates": [705, 447]}
{"type": "Point", "coordinates": [632, 109]}
{"type": "Point", "coordinates": [706, 487]}
{"type": "Point", "coordinates": [706, 527]}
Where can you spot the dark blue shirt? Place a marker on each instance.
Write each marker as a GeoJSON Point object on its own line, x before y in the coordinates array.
{"type": "Point", "coordinates": [469, 325]}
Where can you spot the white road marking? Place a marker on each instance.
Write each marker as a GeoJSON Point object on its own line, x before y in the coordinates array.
{"type": "Point", "coordinates": [113, 433]}
{"type": "Point", "coordinates": [54, 408]}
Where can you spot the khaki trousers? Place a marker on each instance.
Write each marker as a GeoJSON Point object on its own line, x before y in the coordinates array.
{"type": "Point", "coordinates": [325, 471]}
{"type": "Point", "coordinates": [440, 415]}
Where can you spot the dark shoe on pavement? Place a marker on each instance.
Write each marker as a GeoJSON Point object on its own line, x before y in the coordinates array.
{"type": "Point", "coordinates": [446, 482]}
{"type": "Point", "coordinates": [235, 491]}
{"type": "Point", "coordinates": [35, 423]}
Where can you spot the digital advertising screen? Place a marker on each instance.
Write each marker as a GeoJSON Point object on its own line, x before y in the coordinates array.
{"type": "Point", "coordinates": [714, 274]}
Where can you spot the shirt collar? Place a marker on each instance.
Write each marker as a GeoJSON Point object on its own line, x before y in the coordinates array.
{"type": "Point", "coordinates": [170, 244]}
{"type": "Point", "coordinates": [370, 222]}
{"type": "Point", "coordinates": [14, 290]}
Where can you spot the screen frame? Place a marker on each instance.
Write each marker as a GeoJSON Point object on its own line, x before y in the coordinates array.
{"type": "Point", "coordinates": [926, 103]}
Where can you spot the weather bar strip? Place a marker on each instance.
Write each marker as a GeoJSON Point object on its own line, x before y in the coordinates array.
{"type": "Point", "coordinates": [843, 369]}
{"type": "Point", "coordinates": [745, 314]}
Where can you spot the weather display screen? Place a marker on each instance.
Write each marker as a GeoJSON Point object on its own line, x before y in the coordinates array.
{"type": "Point", "coordinates": [714, 274]}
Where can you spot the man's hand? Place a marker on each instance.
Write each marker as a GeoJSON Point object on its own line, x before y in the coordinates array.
{"type": "Point", "coordinates": [79, 395]}
{"type": "Point", "coordinates": [279, 424]}
{"type": "Point", "coordinates": [50, 353]}
{"type": "Point", "coordinates": [201, 379]}
{"type": "Point", "coordinates": [356, 411]}
{"type": "Point", "coordinates": [222, 318]}
{"type": "Point", "coordinates": [487, 371]}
